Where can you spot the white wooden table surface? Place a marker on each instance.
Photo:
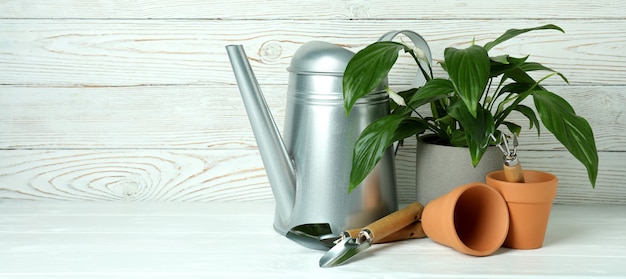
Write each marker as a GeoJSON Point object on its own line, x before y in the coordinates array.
{"type": "Point", "coordinates": [236, 240]}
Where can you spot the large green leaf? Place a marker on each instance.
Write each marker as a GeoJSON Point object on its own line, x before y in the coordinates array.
{"type": "Point", "coordinates": [477, 129]}
{"type": "Point", "coordinates": [410, 127]}
{"type": "Point", "coordinates": [458, 138]}
{"type": "Point", "coordinates": [532, 117]}
{"type": "Point", "coordinates": [367, 69]}
{"type": "Point", "coordinates": [533, 66]}
{"type": "Point", "coordinates": [573, 131]}
{"type": "Point", "coordinates": [519, 75]}
{"type": "Point", "coordinates": [513, 128]}
{"type": "Point", "coordinates": [516, 32]}
{"type": "Point", "coordinates": [468, 70]}
{"type": "Point", "coordinates": [433, 89]}
{"type": "Point", "coordinates": [374, 141]}
{"type": "Point", "coordinates": [518, 91]}
{"type": "Point", "coordinates": [517, 87]}
{"type": "Point", "coordinates": [501, 64]}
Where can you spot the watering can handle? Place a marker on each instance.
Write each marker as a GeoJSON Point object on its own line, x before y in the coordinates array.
{"type": "Point", "coordinates": [419, 42]}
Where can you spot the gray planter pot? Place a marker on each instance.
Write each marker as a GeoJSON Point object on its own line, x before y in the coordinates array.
{"type": "Point", "coordinates": [439, 169]}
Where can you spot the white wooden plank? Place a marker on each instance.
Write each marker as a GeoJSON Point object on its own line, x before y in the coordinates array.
{"type": "Point", "coordinates": [581, 242]}
{"type": "Point", "coordinates": [171, 117]}
{"type": "Point", "coordinates": [135, 52]}
{"type": "Point", "coordinates": [322, 9]}
{"type": "Point", "coordinates": [232, 175]}
{"type": "Point", "coordinates": [213, 117]}
{"type": "Point", "coordinates": [133, 175]}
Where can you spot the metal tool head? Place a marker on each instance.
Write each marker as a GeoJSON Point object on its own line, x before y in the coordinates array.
{"type": "Point", "coordinates": [345, 249]}
{"type": "Point", "coordinates": [510, 155]}
{"type": "Point", "coordinates": [318, 236]}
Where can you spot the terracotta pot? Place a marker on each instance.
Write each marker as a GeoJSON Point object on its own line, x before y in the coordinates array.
{"type": "Point", "coordinates": [529, 206]}
{"type": "Point", "coordinates": [434, 161]}
{"type": "Point", "coordinates": [472, 219]}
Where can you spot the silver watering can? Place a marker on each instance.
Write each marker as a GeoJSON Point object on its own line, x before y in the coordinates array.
{"type": "Point", "coordinates": [309, 167]}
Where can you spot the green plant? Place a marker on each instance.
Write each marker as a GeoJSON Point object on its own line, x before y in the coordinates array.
{"type": "Point", "coordinates": [473, 102]}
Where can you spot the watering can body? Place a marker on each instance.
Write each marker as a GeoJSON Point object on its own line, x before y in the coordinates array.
{"type": "Point", "coordinates": [309, 166]}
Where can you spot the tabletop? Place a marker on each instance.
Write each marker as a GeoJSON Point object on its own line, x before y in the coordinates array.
{"type": "Point", "coordinates": [236, 240]}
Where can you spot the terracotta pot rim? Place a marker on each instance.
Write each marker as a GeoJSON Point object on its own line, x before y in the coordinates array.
{"type": "Point", "coordinates": [504, 227]}
{"type": "Point", "coordinates": [448, 216]}
{"type": "Point", "coordinates": [496, 176]}
{"type": "Point", "coordinates": [540, 191]}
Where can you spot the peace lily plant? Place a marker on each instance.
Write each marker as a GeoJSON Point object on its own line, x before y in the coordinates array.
{"type": "Point", "coordinates": [472, 103]}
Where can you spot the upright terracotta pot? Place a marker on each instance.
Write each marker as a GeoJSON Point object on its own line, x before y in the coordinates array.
{"type": "Point", "coordinates": [529, 206]}
{"type": "Point", "coordinates": [473, 219]}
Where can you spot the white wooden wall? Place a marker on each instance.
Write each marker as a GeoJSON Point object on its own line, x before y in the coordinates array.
{"type": "Point", "coordinates": [135, 100]}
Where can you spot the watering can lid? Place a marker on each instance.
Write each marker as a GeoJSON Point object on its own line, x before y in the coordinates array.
{"type": "Point", "coordinates": [320, 58]}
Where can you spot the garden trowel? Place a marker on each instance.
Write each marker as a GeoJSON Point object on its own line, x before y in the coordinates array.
{"type": "Point", "coordinates": [320, 236]}
{"type": "Point", "coordinates": [402, 224]}
{"type": "Point", "coordinates": [314, 236]}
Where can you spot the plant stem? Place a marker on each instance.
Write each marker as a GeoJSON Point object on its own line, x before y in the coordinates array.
{"type": "Point", "coordinates": [486, 92]}
{"type": "Point", "coordinates": [497, 94]}
{"type": "Point", "coordinates": [424, 73]}
{"type": "Point", "coordinates": [431, 127]}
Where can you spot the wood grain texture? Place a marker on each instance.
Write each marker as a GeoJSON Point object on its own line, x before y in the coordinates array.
{"type": "Point", "coordinates": [172, 117]}
{"type": "Point", "coordinates": [213, 117]}
{"type": "Point", "coordinates": [320, 9]}
{"type": "Point", "coordinates": [165, 52]}
{"type": "Point", "coordinates": [135, 100]}
{"type": "Point", "coordinates": [133, 175]}
{"type": "Point", "coordinates": [203, 175]}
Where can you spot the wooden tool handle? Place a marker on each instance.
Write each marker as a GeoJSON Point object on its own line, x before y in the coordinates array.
{"type": "Point", "coordinates": [514, 173]}
{"type": "Point", "coordinates": [395, 221]}
{"type": "Point", "coordinates": [354, 233]}
{"type": "Point", "coordinates": [411, 231]}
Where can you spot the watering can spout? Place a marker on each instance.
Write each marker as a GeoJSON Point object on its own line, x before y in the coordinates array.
{"type": "Point", "coordinates": [276, 159]}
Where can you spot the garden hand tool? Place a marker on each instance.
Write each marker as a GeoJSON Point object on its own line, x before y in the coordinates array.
{"type": "Point", "coordinates": [512, 166]}
{"type": "Point", "coordinates": [320, 236]}
{"type": "Point", "coordinates": [317, 236]}
{"type": "Point", "coordinates": [406, 221]}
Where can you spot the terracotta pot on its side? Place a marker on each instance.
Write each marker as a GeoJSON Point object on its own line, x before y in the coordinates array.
{"type": "Point", "coordinates": [472, 219]}
{"type": "Point", "coordinates": [529, 206]}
